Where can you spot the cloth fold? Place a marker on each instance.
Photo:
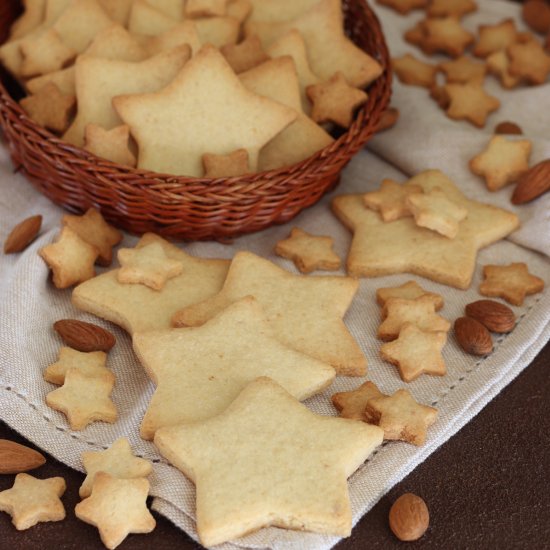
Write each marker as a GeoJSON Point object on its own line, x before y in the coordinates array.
{"type": "Point", "coordinates": [423, 138]}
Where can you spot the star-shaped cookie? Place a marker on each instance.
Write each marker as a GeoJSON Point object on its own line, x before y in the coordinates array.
{"type": "Point", "coordinates": [117, 461]}
{"type": "Point", "coordinates": [236, 117]}
{"type": "Point", "coordinates": [90, 363]}
{"type": "Point", "coordinates": [110, 144]}
{"type": "Point", "coordinates": [495, 38]}
{"type": "Point", "coordinates": [335, 100]}
{"type": "Point", "coordinates": [297, 475]}
{"type": "Point", "coordinates": [463, 69]}
{"type": "Point", "coordinates": [304, 312]}
{"type": "Point", "coordinates": [411, 70]}
{"type": "Point", "coordinates": [404, 6]}
{"type": "Point", "coordinates": [380, 248]}
{"type": "Point", "coordinates": [416, 352]}
{"type": "Point", "coordinates": [148, 265]}
{"type": "Point", "coordinates": [401, 417]}
{"type": "Point", "coordinates": [352, 404]}
{"type": "Point", "coordinates": [445, 35]}
{"type": "Point", "coordinates": [140, 308]}
{"type": "Point", "coordinates": [70, 258]}
{"type": "Point", "coordinates": [216, 361]}
{"type": "Point", "coordinates": [457, 8]}
{"type": "Point", "coordinates": [117, 508]}
{"type": "Point", "coordinates": [498, 64]}
{"type": "Point", "coordinates": [502, 162]}
{"type": "Point", "coordinates": [420, 312]}
{"type": "Point", "coordinates": [410, 291]}
{"type": "Point", "coordinates": [511, 282]}
{"type": "Point", "coordinates": [529, 61]}
{"type": "Point", "coordinates": [84, 399]}
{"type": "Point", "coordinates": [470, 102]}
{"type": "Point", "coordinates": [308, 252]}
{"type": "Point", "coordinates": [226, 166]}
{"type": "Point", "coordinates": [437, 212]}
{"type": "Point", "coordinates": [93, 228]}
{"type": "Point", "coordinates": [33, 500]}
{"type": "Point", "coordinates": [391, 199]}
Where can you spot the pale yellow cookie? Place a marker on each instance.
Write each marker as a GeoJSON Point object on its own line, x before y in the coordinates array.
{"type": "Point", "coordinates": [419, 312]}
{"type": "Point", "coordinates": [444, 8]}
{"type": "Point", "coordinates": [404, 6]}
{"type": "Point", "coordinates": [238, 9]}
{"type": "Point", "coordinates": [511, 282]}
{"type": "Point", "coordinates": [226, 166]}
{"type": "Point", "coordinates": [185, 32]}
{"type": "Point", "coordinates": [30, 19]}
{"type": "Point", "coordinates": [411, 70]}
{"type": "Point", "coordinates": [110, 144]}
{"type": "Point", "coordinates": [117, 507]}
{"type": "Point", "coordinates": [205, 8]}
{"type": "Point", "coordinates": [445, 35]}
{"type": "Point", "coordinates": [218, 31]}
{"type": "Point", "coordinates": [89, 363]}
{"type": "Point", "coordinates": [92, 228]}
{"type": "Point", "coordinates": [241, 488]}
{"type": "Point", "coordinates": [401, 417]}
{"type": "Point", "coordinates": [288, 300]}
{"type": "Point", "coordinates": [498, 64]}
{"type": "Point", "coordinates": [308, 252]}
{"type": "Point", "coordinates": [495, 38]}
{"type": "Point", "coordinates": [416, 352]}
{"type": "Point", "coordinates": [148, 265]}
{"type": "Point", "coordinates": [502, 162]}
{"type": "Point", "coordinates": [529, 61]}
{"type": "Point", "coordinates": [409, 291]}
{"type": "Point", "coordinates": [138, 308]}
{"type": "Point", "coordinates": [282, 10]}
{"type": "Point", "coordinates": [470, 102]}
{"type": "Point", "coordinates": [84, 399]}
{"type": "Point", "coordinates": [70, 258]}
{"type": "Point", "coordinates": [463, 69]}
{"type": "Point", "coordinates": [352, 404]}
{"type": "Point", "coordinates": [390, 200]}
{"type": "Point", "coordinates": [33, 500]}
{"type": "Point", "coordinates": [216, 361]}
{"type": "Point", "coordinates": [117, 461]}
{"type": "Point", "coordinates": [434, 210]}
{"type": "Point", "coordinates": [147, 19]}
{"type": "Point", "coordinates": [245, 55]}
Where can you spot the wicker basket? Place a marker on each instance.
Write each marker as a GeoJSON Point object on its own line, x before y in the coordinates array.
{"type": "Point", "coordinates": [182, 207]}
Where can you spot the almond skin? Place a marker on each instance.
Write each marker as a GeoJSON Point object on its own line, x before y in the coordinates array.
{"type": "Point", "coordinates": [409, 517]}
{"type": "Point", "coordinates": [532, 183]}
{"type": "Point", "coordinates": [495, 316]}
{"type": "Point", "coordinates": [22, 235]}
{"type": "Point", "coordinates": [536, 13]}
{"type": "Point", "coordinates": [473, 337]}
{"type": "Point", "coordinates": [16, 458]}
{"type": "Point", "coordinates": [84, 336]}
{"type": "Point", "coordinates": [510, 128]}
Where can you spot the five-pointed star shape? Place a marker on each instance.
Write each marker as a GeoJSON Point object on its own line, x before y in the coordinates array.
{"type": "Point", "coordinates": [308, 252]}
{"type": "Point", "coordinates": [352, 404]}
{"type": "Point", "coordinates": [304, 312]}
{"type": "Point", "coordinates": [91, 364]}
{"type": "Point", "coordinates": [416, 352]}
{"type": "Point", "coordinates": [118, 461]}
{"type": "Point", "coordinates": [148, 265]}
{"type": "Point", "coordinates": [529, 61]}
{"type": "Point", "coordinates": [215, 361]}
{"type": "Point", "coordinates": [297, 464]}
{"type": "Point", "coordinates": [463, 69]}
{"type": "Point", "coordinates": [137, 308]}
{"type": "Point", "coordinates": [404, 6]}
{"type": "Point", "coordinates": [380, 248]}
{"type": "Point", "coordinates": [32, 500]}
{"type": "Point", "coordinates": [117, 508]}
{"type": "Point", "coordinates": [205, 108]}
{"type": "Point", "coordinates": [110, 144]}
{"type": "Point", "coordinates": [512, 282]}
{"type": "Point", "coordinates": [409, 290]}
{"type": "Point", "coordinates": [84, 399]}
{"type": "Point", "coordinates": [401, 417]}
{"type": "Point", "coordinates": [470, 102]}
{"type": "Point", "coordinates": [495, 38]}
{"type": "Point", "coordinates": [391, 199]}
{"type": "Point", "coordinates": [445, 35]}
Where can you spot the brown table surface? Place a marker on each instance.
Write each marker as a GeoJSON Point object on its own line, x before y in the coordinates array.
{"type": "Point", "coordinates": [487, 487]}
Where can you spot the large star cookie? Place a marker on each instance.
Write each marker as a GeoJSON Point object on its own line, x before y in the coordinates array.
{"type": "Point", "coordinates": [381, 248]}
{"type": "Point", "coordinates": [268, 460]}
{"type": "Point", "coordinates": [215, 361]}
{"type": "Point", "coordinates": [137, 308]}
{"type": "Point", "coordinates": [304, 312]}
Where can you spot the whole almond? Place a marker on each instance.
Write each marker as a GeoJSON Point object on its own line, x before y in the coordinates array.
{"type": "Point", "coordinates": [495, 316]}
{"type": "Point", "coordinates": [16, 458]}
{"type": "Point", "coordinates": [536, 13]}
{"type": "Point", "coordinates": [409, 517]}
{"type": "Point", "coordinates": [22, 234]}
{"type": "Point", "coordinates": [84, 336]}
{"type": "Point", "coordinates": [507, 127]}
{"type": "Point", "coordinates": [532, 183]}
{"type": "Point", "coordinates": [473, 337]}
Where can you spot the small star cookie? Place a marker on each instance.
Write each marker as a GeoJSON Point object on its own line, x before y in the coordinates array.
{"type": "Point", "coordinates": [529, 61]}
{"type": "Point", "coordinates": [245, 55]}
{"type": "Point", "coordinates": [84, 399]}
{"type": "Point", "coordinates": [226, 166]}
{"type": "Point", "coordinates": [502, 162]}
{"type": "Point", "coordinates": [411, 70]}
{"type": "Point", "coordinates": [444, 8]}
{"type": "Point", "coordinates": [435, 211]}
{"type": "Point", "coordinates": [335, 100]}
{"type": "Point", "coordinates": [409, 291]}
{"type": "Point", "coordinates": [93, 228]}
{"type": "Point", "coordinates": [463, 69]}
{"type": "Point", "coordinates": [33, 500]}
{"type": "Point", "coordinates": [110, 144]}
{"type": "Point", "coordinates": [148, 265]}
{"type": "Point", "coordinates": [391, 199]}
{"type": "Point", "coordinates": [404, 6]}
{"type": "Point", "coordinates": [401, 417]}
{"type": "Point", "coordinates": [117, 507]}
{"type": "Point", "coordinates": [420, 312]}
{"type": "Point", "coordinates": [498, 64]}
{"type": "Point", "coordinates": [445, 35]}
{"type": "Point", "coordinates": [416, 352]}
{"type": "Point", "coordinates": [89, 363]}
{"type": "Point", "coordinates": [308, 252]}
{"type": "Point", "coordinates": [470, 102]}
{"type": "Point", "coordinates": [511, 282]}
{"type": "Point", "coordinates": [495, 38]}
{"type": "Point", "coordinates": [352, 404]}
{"type": "Point", "coordinates": [70, 258]}
{"type": "Point", "coordinates": [117, 461]}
